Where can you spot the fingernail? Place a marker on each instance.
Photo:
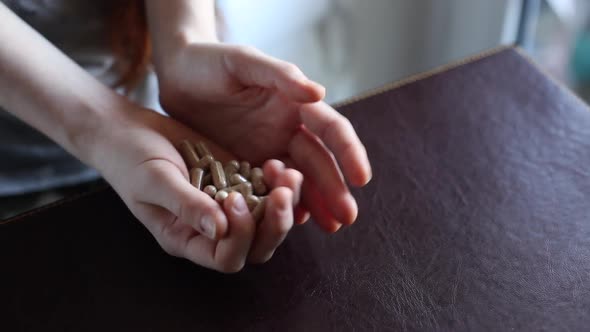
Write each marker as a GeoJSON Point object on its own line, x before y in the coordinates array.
{"type": "Point", "coordinates": [239, 207]}
{"type": "Point", "coordinates": [208, 227]}
{"type": "Point", "coordinates": [348, 210]}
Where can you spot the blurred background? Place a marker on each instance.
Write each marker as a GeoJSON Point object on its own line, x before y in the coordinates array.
{"type": "Point", "coordinates": [352, 46]}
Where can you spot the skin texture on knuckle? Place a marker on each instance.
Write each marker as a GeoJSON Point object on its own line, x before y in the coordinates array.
{"type": "Point", "coordinates": [291, 70]}
{"type": "Point", "coordinates": [346, 124]}
{"type": "Point", "coordinates": [156, 172]}
{"type": "Point", "coordinates": [297, 179]}
{"type": "Point", "coordinates": [284, 216]}
{"type": "Point", "coordinates": [295, 175]}
{"type": "Point", "coordinates": [169, 248]}
{"type": "Point", "coordinates": [230, 267]}
{"type": "Point", "coordinates": [261, 259]}
{"type": "Point", "coordinates": [283, 227]}
{"type": "Point", "coordinates": [335, 126]}
{"type": "Point", "coordinates": [193, 211]}
{"type": "Point", "coordinates": [246, 50]}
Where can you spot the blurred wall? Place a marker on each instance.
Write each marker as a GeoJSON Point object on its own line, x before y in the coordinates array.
{"type": "Point", "coordinates": [351, 46]}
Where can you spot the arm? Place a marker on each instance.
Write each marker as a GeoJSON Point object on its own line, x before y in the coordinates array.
{"type": "Point", "coordinates": [177, 23]}
{"type": "Point", "coordinates": [134, 149]}
{"type": "Point", "coordinates": [47, 90]}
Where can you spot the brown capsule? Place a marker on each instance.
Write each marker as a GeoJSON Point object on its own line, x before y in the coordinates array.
{"type": "Point", "coordinates": [229, 171]}
{"type": "Point", "coordinates": [205, 162]}
{"type": "Point", "coordinates": [258, 184]}
{"type": "Point", "coordinates": [218, 175]}
{"type": "Point", "coordinates": [257, 174]}
{"type": "Point", "coordinates": [210, 190]}
{"type": "Point", "coordinates": [252, 201]}
{"type": "Point", "coordinates": [245, 169]}
{"type": "Point", "coordinates": [237, 179]}
{"type": "Point", "coordinates": [188, 154]}
{"type": "Point", "coordinates": [235, 164]}
{"type": "Point", "coordinates": [221, 195]}
{"type": "Point", "coordinates": [202, 149]}
{"type": "Point", "coordinates": [258, 212]}
{"type": "Point", "coordinates": [259, 188]}
{"type": "Point", "coordinates": [243, 188]}
{"type": "Point", "coordinates": [207, 179]}
{"type": "Point", "coordinates": [247, 189]}
{"type": "Point", "coordinates": [196, 176]}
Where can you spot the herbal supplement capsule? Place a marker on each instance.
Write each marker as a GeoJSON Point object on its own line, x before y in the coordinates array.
{"type": "Point", "coordinates": [252, 201]}
{"type": "Point", "coordinates": [247, 189]}
{"type": "Point", "coordinates": [245, 169]}
{"type": "Point", "coordinates": [243, 188]}
{"type": "Point", "coordinates": [202, 149]}
{"type": "Point", "coordinates": [234, 163]}
{"type": "Point", "coordinates": [257, 177]}
{"type": "Point", "coordinates": [196, 176]}
{"type": "Point", "coordinates": [258, 212]}
{"type": "Point", "coordinates": [210, 190]}
{"type": "Point", "coordinates": [205, 162]}
{"type": "Point", "coordinates": [188, 154]}
{"type": "Point", "coordinates": [221, 195]}
{"type": "Point", "coordinates": [237, 179]}
{"type": "Point", "coordinates": [218, 175]}
{"type": "Point", "coordinates": [229, 171]}
{"type": "Point", "coordinates": [207, 179]}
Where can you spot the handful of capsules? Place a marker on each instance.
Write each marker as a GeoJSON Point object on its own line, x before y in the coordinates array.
{"type": "Point", "coordinates": [217, 180]}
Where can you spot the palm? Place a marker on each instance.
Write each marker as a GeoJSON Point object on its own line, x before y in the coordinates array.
{"type": "Point", "coordinates": [254, 106]}
{"type": "Point", "coordinates": [256, 125]}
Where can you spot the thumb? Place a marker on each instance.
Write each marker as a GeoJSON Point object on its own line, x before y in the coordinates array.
{"type": "Point", "coordinates": [167, 187]}
{"type": "Point", "coordinates": [254, 68]}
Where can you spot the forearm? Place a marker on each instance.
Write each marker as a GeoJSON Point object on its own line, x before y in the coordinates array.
{"type": "Point", "coordinates": [44, 88]}
{"type": "Point", "coordinates": [176, 23]}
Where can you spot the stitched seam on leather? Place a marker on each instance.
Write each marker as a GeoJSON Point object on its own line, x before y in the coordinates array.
{"type": "Point", "coordinates": [423, 75]}
{"type": "Point", "coordinates": [60, 202]}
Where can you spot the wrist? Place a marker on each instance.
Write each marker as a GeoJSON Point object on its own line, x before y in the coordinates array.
{"type": "Point", "coordinates": [91, 127]}
{"type": "Point", "coordinates": [177, 24]}
{"type": "Point", "coordinates": [166, 56]}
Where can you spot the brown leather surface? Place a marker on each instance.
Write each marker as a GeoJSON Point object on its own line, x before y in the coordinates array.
{"type": "Point", "coordinates": [477, 218]}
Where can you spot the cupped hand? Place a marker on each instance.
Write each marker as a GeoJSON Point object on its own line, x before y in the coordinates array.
{"type": "Point", "coordinates": [137, 154]}
{"type": "Point", "coordinates": [258, 108]}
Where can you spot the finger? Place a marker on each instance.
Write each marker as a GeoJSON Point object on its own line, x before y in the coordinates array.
{"type": "Point", "coordinates": [252, 67]}
{"type": "Point", "coordinates": [229, 254]}
{"type": "Point", "coordinates": [232, 251]}
{"type": "Point", "coordinates": [338, 134]}
{"type": "Point", "coordinates": [300, 215]}
{"type": "Point", "coordinates": [277, 222]}
{"type": "Point", "coordinates": [291, 179]}
{"type": "Point", "coordinates": [313, 200]}
{"type": "Point", "coordinates": [169, 232]}
{"type": "Point", "coordinates": [276, 175]}
{"type": "Point", "coordinates": [319, 166]}
{"type": "Point", "coordinates": [272, 169]}
{"type": "Point", "coordinates": [164, 185]}
{"type": "Point", "coordinates": [176, 238]}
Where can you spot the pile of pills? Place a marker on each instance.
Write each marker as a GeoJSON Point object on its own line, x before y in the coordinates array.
{"type": "Point", "coordinates": [217, 180]}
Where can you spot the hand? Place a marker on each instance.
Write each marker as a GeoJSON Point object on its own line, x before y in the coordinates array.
{"type": "Point", "coordinates": [258, 108]}
{"type": "Point", "coordinates": [136, 154]}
